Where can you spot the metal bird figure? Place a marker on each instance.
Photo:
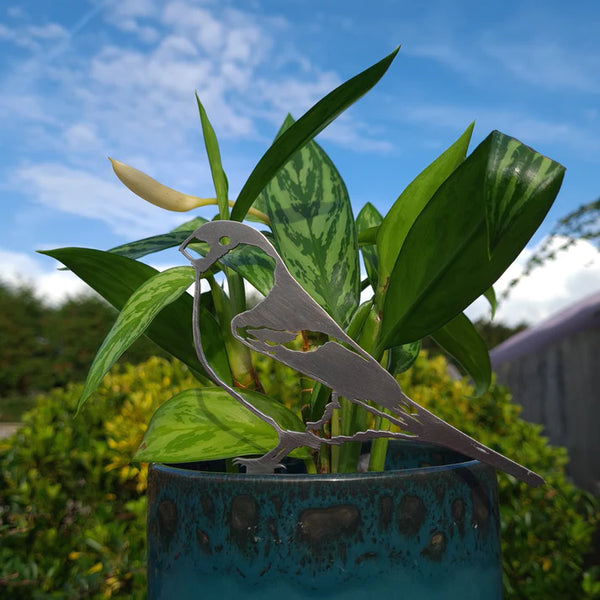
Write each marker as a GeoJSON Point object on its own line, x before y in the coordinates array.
{"type": "Point", "coordinates": [340, 363]}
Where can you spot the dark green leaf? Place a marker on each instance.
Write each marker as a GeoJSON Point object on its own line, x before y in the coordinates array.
{"type": "Point", "coordinates": [156, 243]}
{"type": "Point", "coordinates": [460, 339]}
{"type": "Point", "coordinates": [139, 311]}
{"type": "Point", "coordinates": [115, 278]}
{"type": "Point", "coordinates": [214, 160]}
{"type": "Point", "coordinates": [414, 198]}
{"type": "Point", "coordinates": [401, 358]}
{"type": "Point", "coordinates": [444, 263]}
{"type": "Point", "coordinates": [304, 130]}
{"type": "Point", "coordinates": [368, 219]}
{"type": "Point", "coordinates": [312, 222]}
{"type": "Point", "coordinates": [208, 424]}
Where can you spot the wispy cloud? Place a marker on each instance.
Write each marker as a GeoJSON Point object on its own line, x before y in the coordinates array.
{"type": "Point", "coordinates": [81, 193]}
{"type": "Point", "coordinates": [548, 64]}
{"type": "Point", "coordinates": [534, 130]}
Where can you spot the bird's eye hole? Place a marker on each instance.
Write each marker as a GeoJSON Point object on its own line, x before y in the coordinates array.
{"type": "Point", "coordinates": [224, 241]}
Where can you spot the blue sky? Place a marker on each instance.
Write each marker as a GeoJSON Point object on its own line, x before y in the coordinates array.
{"type": "Point", "coordinates": [81, 80]}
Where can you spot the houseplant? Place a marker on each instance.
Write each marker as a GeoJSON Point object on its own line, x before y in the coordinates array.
{"type": "Point", "coordinates": [444, 242]}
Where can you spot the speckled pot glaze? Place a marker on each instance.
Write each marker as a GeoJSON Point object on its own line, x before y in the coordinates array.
{"type": "Point", "coordinates": [426, 528]}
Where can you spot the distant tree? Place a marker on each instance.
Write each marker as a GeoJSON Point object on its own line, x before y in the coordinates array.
{"type": "Point", "coordinates": [42, 347]}
{"type": "Point", "coordinates": [22, 344]}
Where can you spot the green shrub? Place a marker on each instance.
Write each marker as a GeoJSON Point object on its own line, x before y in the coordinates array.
{"type": "Point", "coordinates": [72, 506]}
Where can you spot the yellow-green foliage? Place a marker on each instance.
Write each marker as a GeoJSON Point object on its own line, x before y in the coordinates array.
{"type": "Point", "coordinates": [72, 508]}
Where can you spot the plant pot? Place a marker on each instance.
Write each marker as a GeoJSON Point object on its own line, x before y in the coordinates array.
{"type": "Point", "coordinates": [427, 528]}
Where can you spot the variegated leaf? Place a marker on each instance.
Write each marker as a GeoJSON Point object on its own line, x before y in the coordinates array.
{"type": "Point", "coordinates": [401, 358]}
{"type": "Point", "coordinates": [517, 175]}
{"type": "Point", "coordinates": [116, 278]}
{"type": "Point", "coordinates": [208, 424]}
{"type": "Point", "coordinates": [139, 311]}
{"type": "Point", "coordinates": [156, 243]}
{"type": "Point", "coordinates": [368, 218]}
{"type": "Point", "coordinates": [308, 126]}
{"type": "Point", "coordinates": [312, 222]}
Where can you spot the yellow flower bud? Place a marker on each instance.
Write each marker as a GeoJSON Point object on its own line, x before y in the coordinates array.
{"type": "Point", "coordinates": [154, 192]}
{"type": "Point", "coordinates": [165, 197]}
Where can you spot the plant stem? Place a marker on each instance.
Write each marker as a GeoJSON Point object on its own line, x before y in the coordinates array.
{"type": "Point", "coordinates": [335, 450]}
{"type": "Point", "coordinates": [240, 359]}
{"type": "Point", "coordinates": [379, 447]}
{"type": "Point", "coordinates": [257, 214]}
{"type": "Point", "coordinates": [311, 468]}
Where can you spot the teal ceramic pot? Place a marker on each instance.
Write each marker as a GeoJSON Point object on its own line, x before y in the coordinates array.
{"type": "Point", "coordinates": [426, 528]}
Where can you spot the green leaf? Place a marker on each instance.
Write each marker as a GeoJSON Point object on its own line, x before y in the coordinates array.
{"type": "Point", "coordinates": [460, 339]}
{"type": "Point", "coordinates": [401, 358]}
{"type": "Point", "coordinates": [517, 175]}
{"type": "Point", "coordinates": [368, 219]}
{"type": "Point", "coordinates": [156, 243]}
{"type": "Point", "coordinates": [313, 226]}
{"type": "Point", "coordinates": [253, 265]}
{"type": "Point", "coordinates": [304, 130]}
{"type": "Point", "coordinates": [490, 296]}
{"type": "Point", "coordinates": [445, 263]}
{"type": "Point", "coordinates": [214, 159]}
{"type": "Point", "coordinates": [139, 311]}
{"type": "Point", "coordinates": [115, 278]}
{"type": "Point", "coordinates": [209, 424]}
{"type": "Point", "coordinates": [408, 206]}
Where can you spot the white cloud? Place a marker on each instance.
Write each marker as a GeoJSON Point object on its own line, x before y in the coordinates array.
{"type": "Point", "coordinates": [535, 130]}
{"type": "Point", "coordinates": [82, 136]}
{"type": "Point", "coordinates": [33, 37]}
{"type": "Point", "coordinates": [84, 194]}
{"type": "Point", "coordinates": [549, 64]}
{"type": "Point", "coordinates": [51, 286]}
{"type": "Point", "coordinates": [573, 275]}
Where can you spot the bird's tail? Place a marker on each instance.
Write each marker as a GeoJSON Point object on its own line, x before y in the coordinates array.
{"type": "Point", "coordinates": [439, 432]}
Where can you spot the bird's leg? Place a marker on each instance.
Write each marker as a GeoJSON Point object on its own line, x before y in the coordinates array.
{"type": "Point", "coordinates": [288, 441]}
{"type": "Point", "coordinates": [331, 406]}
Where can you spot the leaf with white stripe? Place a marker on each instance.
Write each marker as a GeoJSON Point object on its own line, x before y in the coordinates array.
{"type": "Point", "coordinates": [139, 311]}
{"type": "Point", "coordinates": [369, 218]}
{"type": "Point", "coordinates": [156, 243]}
{"type": "Point", "coordinates": [314, 230]}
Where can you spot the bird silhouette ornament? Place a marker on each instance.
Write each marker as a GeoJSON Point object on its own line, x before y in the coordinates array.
{"type": "Point", "coordinates": [339, 363]}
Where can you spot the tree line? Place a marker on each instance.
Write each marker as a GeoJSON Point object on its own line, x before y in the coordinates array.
{"type": "Point", "coordinates": [42, 346]}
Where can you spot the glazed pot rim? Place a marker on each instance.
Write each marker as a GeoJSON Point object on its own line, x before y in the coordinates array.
{"type": "Point", "coordinates": [459, 462]}
{"type": "Point", "coordinates": [182, 472]}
